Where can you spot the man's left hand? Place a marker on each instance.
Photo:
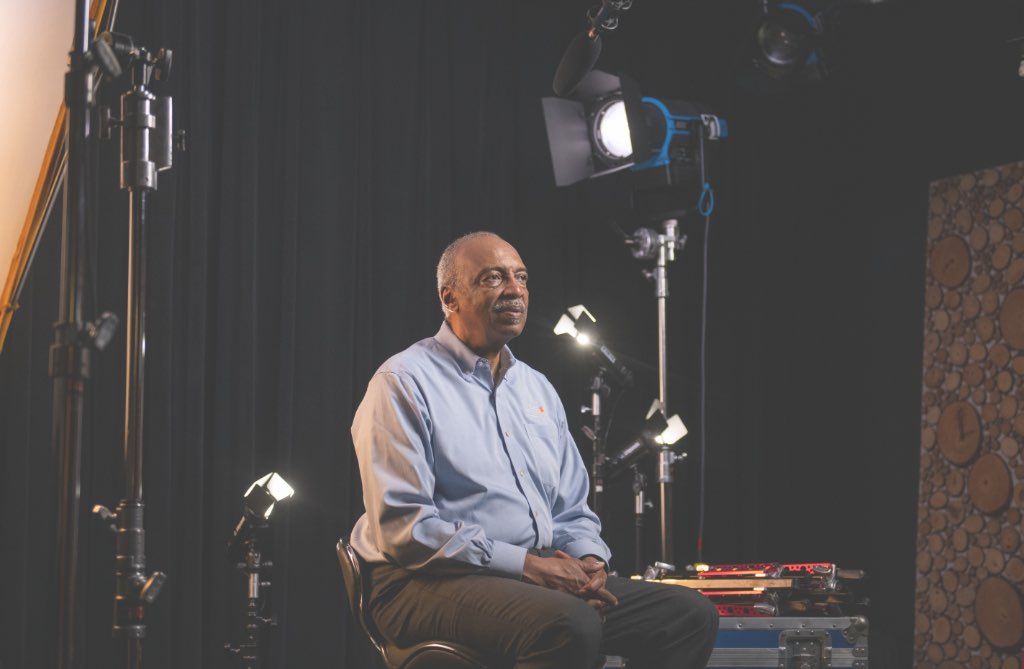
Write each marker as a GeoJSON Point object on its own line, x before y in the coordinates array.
{"type": "Point", "coordinates": [593, 590]}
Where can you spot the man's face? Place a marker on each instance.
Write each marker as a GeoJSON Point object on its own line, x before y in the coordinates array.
{"type": "Point", "coordinates": [490, 299]}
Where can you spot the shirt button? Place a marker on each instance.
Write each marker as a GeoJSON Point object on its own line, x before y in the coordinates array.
{"type": "Point", "coordinates": [507, 434]}
{"type": "Point", "coordinates": [522, 473]}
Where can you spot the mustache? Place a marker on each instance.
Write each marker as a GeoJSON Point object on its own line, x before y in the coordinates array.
{"type": "Point", "coordinates": [515, 304]}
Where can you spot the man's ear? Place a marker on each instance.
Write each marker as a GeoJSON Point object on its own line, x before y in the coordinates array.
{"type": "Point", "coordinates": [448, 299]}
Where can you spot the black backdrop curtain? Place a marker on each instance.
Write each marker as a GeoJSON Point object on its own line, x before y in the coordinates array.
{"type": "Point", "coordinates": [336, 147]}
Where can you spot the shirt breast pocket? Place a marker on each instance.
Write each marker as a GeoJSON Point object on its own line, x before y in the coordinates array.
{"type": "Point", "coordinates": [544, 450]}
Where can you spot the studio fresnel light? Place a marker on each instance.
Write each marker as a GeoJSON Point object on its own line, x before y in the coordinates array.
{"type": "Point", "coordinates": [606, 126]}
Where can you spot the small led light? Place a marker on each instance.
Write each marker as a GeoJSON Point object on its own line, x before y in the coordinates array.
{"type": "Point", "coordinates": [583, 339]}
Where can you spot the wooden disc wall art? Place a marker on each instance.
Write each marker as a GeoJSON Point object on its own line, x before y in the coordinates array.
{"type": "Point", "coordinates": [970, 573]}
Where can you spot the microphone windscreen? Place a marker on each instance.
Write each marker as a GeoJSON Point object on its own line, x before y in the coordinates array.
{"type": "Point", "coordinates": [577, 61]}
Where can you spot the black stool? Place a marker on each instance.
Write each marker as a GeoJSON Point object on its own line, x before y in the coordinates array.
{"type": "Point", "coordinates": [424, 655]}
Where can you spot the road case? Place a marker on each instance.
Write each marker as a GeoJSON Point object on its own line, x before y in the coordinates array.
{"type": "Point", "coordinates": [791, 643]}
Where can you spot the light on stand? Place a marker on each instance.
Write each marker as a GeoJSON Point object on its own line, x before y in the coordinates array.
{"type": "Point", "coordinates": [659, 432]}
{"type": "Point", "coordinates": [259, 501]}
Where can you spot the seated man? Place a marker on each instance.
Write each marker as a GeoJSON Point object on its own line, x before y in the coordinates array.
{"type": "Point", "coordinates": [477, 529]}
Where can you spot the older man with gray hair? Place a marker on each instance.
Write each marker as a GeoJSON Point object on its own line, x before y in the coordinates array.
{"type": "Point", "coordinates": [477, 529]}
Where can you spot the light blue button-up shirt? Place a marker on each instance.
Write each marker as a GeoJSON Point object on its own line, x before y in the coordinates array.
{"type": "Point", "coordinates": [459, 469]}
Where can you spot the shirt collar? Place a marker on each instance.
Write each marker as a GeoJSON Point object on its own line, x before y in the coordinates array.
{"type": "Point", "coordinates": [466, 358]}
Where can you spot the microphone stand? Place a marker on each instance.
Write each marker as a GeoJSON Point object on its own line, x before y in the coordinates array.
{"type": "Point", "coordinates": [662, 247]}
{"type": "Point", "coordinates": [146, 149]}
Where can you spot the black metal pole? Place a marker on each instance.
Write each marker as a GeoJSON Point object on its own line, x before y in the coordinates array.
{"type": "Point", "coordinates": [69, 355]}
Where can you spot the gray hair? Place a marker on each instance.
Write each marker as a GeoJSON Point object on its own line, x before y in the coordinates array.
{"type": "Point", "coordinates": [447, 272]}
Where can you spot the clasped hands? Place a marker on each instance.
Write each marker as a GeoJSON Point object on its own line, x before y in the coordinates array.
{"type": "Point", "coordinates": [585, 578]}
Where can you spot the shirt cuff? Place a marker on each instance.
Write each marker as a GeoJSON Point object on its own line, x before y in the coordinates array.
{"type": "Point", "coordinates": [508, 559]}
{"type": "Point", "coordinates": [583, 547]}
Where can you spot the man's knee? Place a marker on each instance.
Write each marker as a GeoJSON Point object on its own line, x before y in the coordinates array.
{"type": "Point", "coordinates": [695, 614]}
{"type": "Point", "coordinates": [570, 636]}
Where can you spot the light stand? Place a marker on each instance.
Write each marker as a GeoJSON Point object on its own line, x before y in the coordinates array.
{"type": "Point", "coordinates": [259, 503]}
{"type": "Point", "coordinates": [640, 505]}
{"type": "Point", "coordinates": [607, 363]}
{"type": "Point", "coordinates": [647, 244]}
{"type": "Point", "coordinates": [146, 149]}
{"type": "Point", "coordinates": [70, 353]}
{"type": "Point", "coordinates": [596, 432]}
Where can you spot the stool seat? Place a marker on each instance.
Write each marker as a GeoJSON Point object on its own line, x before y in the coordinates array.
{"type": "Point", "coordinates": [424, 655]}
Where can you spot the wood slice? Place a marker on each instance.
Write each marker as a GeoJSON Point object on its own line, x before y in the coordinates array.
{"type": "Point", "coordinates": [1008, 407]}
{"type": "Point", "coordinates": [1009, 539]}
{"type": "Point", "coordinates": [934, 653]}
{"type": "Point", "coordinates": [1011, 319]}
{"type": "Point", "coordinates": [937, 600]}
{"type": "Point", "coordinates": [1008, 446]}
{"type": "Point", "coordinates": [951, 382]}
{"type": "Point", "coordinates": [1014, 570]}
{"type": "Point", "coordinates": [931, 342]}
{"type": "Point", "coordinates": [999, 355]}
{"type": "Point", "coordinates": [971, 306]}
{"type": "Point", "coordinates": [965, 595]}
{"type": "Point", "coordinates": [949, 582]}
{"type": "Point", "coordinates": [1004, 381]}
{"type": "Point", "coordinates": [934, 377]}
{"type": "Point", "coordinates": [962, 220]}
{"type": "Point", "coordinates": [958, 353]}
{"type": "Point", "coordinates": [924, 562]}
{"type": "Point", "coordinates": [996, 208]}
{"type": "Point", "coordinates": [1013, 218]}
{"type": "Point", "coordinates": [972, 636]}
{"type": "Point", "coordinates": [975, 556]}
{"type": "Point", "coordinates": [935, 544]}
{"type": "Point", "coordinates": [939, 519]}
{"type": "Point", "coordinates": [984, 327]}
{"type": "Point", "coordinates": [990, 302]}
{"type": "Point", "coordinates": [1001, 256]}
{"type": "Point", "coordinates": [1018, 242]}
{"type": "Point", "coordinates": [996, 233]}
{"type": "Point", "coordinates": [1010, 662]}
{"type": "Point", "coordinates": [959, 539]}
{"type": "Point", "coordinates": [1013, 516]}
{"type": "Point", "coordinates": [1018, 425]}
{"type": "Point", "coordinates": [941, 629]}
{"type": "Point", "coordinates": [955, 482]}
{"type": "Point", "coordinates": [978, 352]}
{"type": "Point", "coordinates": [932, 296]}
{"type": "Point", "coordinates": [979, 396]}
{"type": "Point", "coordinates": [998, 611]}
{"type": "Point", "coordinates": [920, 623]}
{"type": "Point", "coordinates": [959, 433]}
{"type": "Point", "coordinates": [994, 560]}
{"type": "Point", "coordinates": [968, 182]}
{"type": "Point", "coordinates": [1014, 192]}
{"type": "Point", "coordinates": [981, 283]}
{"type": "Point", "coordinates": [928, 438]}
{"type": "Point", "coordinates": [990, 177]}
{"type": "Point", "coordinates": [950, 261]}
{"type": "Point", "coordinates": [974, 524]}
{"type": "Point", "coordinates": [989, 412]}
{"type": "Point", "coordinates": [978, 239]}
{"type": "Point", "coordinates": [1015, 272]}
{"type": "Point", "coordinates": [940, 320]}
{"type": "Point", "coordinates": [951, 299]}
{"type": "Point", "coordinates": [989, 485]}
